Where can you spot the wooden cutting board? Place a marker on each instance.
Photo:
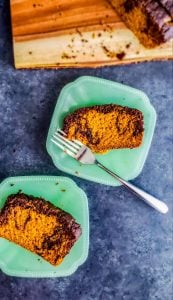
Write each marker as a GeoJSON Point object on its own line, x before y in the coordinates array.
{"type": "Point", "coordinates": [75, 33]}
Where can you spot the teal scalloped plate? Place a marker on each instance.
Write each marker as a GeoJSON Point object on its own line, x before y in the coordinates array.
{"type": "Point", "coordinates": [88, 91]}
{"type": "Point", "coordinates": [62, 192]}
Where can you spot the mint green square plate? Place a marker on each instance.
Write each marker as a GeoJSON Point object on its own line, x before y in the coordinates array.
{"type": "Point", "coordinates": [62, 192]}
{"type": "Point", "coordinates": [88, 91]}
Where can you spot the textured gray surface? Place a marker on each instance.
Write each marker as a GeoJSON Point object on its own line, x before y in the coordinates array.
{"type": "Point", "coordinates": [131, 245]}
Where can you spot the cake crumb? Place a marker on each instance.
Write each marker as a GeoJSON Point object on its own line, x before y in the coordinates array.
{"type": "Point", "coordinates": [67, 56]}
{"type": "Point", "coordinates": [93, 35]}
{"type": "Point", "coordinates": [108, 52]}
{"type": "Point", "coordinates": [120, 55]}
{"type": "Point", "coordinates": [109, 28]}
{"type": "Point", "coordinates": [128, 45]}
{"type": "Point", "coordinates": [84, 40]}
{"type": "Point", "coordinates": [37, 5]}
{"type": "Point", "coordinates": [78, 31]}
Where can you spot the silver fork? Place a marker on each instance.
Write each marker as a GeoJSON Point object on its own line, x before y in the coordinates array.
{"type": "Point", "coordinates": [83, 154]}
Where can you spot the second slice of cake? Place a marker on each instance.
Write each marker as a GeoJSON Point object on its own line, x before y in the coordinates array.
{"type": "Point", "coordinates": [39, 226]}
{"type": "Point", "coordinates": [105, 127]}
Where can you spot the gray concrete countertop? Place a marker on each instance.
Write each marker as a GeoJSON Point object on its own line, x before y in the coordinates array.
{"type": "Point", "coordinates": [130, 256]}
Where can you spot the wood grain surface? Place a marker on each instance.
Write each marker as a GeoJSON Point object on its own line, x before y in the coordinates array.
{"type": "Point", "coordinates": [75, 33]}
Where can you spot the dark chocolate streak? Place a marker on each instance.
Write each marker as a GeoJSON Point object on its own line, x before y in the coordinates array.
{"type": "Point", "coordinates": [38, 204]}
{"type": "Point", "coordinates": [130, 5]}
{"type": "Point", "coordinates": [26, 221]}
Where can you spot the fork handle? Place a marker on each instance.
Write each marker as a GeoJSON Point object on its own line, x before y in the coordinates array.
{"type": "Point", "coordinates": [150, 200]}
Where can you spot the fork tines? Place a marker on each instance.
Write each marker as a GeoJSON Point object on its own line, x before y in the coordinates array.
{"type": "Point", "coordinates": [69, 147]}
